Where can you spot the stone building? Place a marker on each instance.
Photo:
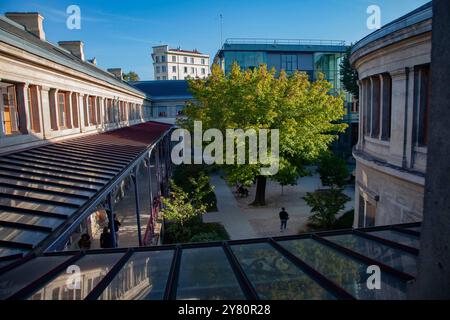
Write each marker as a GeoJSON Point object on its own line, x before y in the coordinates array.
{"type": "Point", "coordinates": [76, 145]}
{"type": "Point", "coordinates": [178, 64]}
{"type": "Point", "coordinates": [50, 91]}
{"type": "Point", "coordinates": [394, 71]}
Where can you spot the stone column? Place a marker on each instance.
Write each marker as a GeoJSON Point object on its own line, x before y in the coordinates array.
{"type": "Point", "coordinates": [45, 111]}
{"type": "Point", "coordinates": [400, 89]}
{"type": "Point", "coordinates": [433, 279]}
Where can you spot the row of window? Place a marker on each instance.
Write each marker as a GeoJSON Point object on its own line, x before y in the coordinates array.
{"type": "Point", "coordinates": [174, 59]}
{"type": "Point", "coordinates": [377, 97]}
{"type": "Point", "coordinates": [20, 109]}
{"type": "Point", "coordinates": [185, 69]}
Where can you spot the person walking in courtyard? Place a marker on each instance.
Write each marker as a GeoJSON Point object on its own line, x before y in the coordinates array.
{"type": "Point", "coordinates": [106, 239]}
{"type": "Point", "coordinates": [284, 217]}
{"type": "Point", "coordinates": [85, 242]}
{"type": "Point", "coordinates": [116, 228]}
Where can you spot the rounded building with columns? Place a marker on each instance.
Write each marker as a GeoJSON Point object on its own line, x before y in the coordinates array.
{"type": "Point", "coordinates": [393, 64]}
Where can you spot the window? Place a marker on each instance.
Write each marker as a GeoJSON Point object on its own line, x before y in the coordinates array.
{"type": "Point", "coordinates": [158, 78]}
{"type": "Point", "coordinates": [386, 106]}
{"type": "Point", "coordinates": [162, 111]}
{"type": "Point", "coordinates": [164, 78]}
{"type": "Point", "coordinates": [33, 108]}
{"type": "Point", "coordinates": [367, 105]}
{"type": "Point", "coordinates": [185, 70]}
{"type": "Point", "coordinates": [10, 110]}
{"type": "Point", "coordinates": [203, 71]}
{"type": "Point", "coordinates": [367, 213]}
{"type": "Point", "coordinates": [375, 109]}
{"type": "Point", "coordinates": [174, 68]}
{"type": "Point", "coordinates": [179, 110]}
{"type": "Point", "coordinates": [163, 68]}
{"type": "Point", "coordinates": [157, 59]}
{"type": "Point", "coordinates": [422, 89]}
{"type": "Point", "coordinates": [174, 58]}
{"type": "Point", "coordinates": [75, 109]}
{"type": "Point", "coordinates": [192, 60]}
{"type": "Point", "coordinates": [193, 70]}
{"type": "Point", "coordinates": [63, 110]}
{"type": "Point", "coordinates": [288, 63]}
{"type": "Point", "coordinates": [91, 110]}
{"type": "Point", "coordinates": [203, 61]}
{"type": "Point", "coordinates": [163, 58]}
{"type": "Point", "coordinates": [158, 69]}
{"type": "Point", "coordinates": [174, 78]}
{"type": "Point", "coordinates": [185, 59]}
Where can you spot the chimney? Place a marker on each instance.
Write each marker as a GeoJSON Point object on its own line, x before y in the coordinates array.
{"type": "Point", "coordinates": [117, 72]}
{"type": "Point", "coordinates": [75, 48]}
{"type": "Point", "coordinates": [32, 21]}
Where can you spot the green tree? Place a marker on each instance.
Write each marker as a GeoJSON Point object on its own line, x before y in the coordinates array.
{"type": "Point", "coordinates": [130, 76]}
{"type": "Point", "coordinates": [349, 75]}
{"type": "Point", "coordinates": [325, 205]}
{"type": "Point", "coordinates": [304, 112]}
{"type": "Point", "coordinates": [333, 170]}
{"type": "Point", "coordinates": [181, 210]}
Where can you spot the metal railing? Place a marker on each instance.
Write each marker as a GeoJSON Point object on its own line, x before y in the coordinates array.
{"type": "Point", "coordinates": [285, 41]}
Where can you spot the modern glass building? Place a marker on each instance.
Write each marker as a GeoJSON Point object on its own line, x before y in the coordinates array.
{"type": "Point", "coordinates": [310, 56]}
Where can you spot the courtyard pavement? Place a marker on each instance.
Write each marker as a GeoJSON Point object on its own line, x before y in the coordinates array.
{"type": "Point", "coordinates": [243, 221]}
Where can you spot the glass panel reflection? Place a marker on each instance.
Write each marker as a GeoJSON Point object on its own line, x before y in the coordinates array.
{"type": "Point", "coordinates": [402, 238]}
{"type": "Point", "coordinates": [30, 219]}
{"type": "Point", "coordinates": [92, 270]}
{"type": "Point", "coordinates": [4, 252]}
{"type": "Point", "coordinates": [344, 270]}
{"type": "Point", "coordinates": [22, 236]}
{"type": "Point", "coordinates": [274, 277]}
{"type": "Point", "coordinates": [395, 258]}
{"type": "Point", "coordinates": [16, 279]}
{"type": "Point", "coordinates": [143, 277]}
{"type": "Point", "coordinates": [205, 274]}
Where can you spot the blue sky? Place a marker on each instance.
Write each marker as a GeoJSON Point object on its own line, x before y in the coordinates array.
{"type": "Point", "coordinates": [122, 33]}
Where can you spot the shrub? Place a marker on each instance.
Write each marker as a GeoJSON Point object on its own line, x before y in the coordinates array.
{"type": "Point", "coordinates": [193, 179]}
{"type": "Point", "coordinates": [346, 221]}
{"type": "Point", "coordinates": [325, 205]}
{"type": "Point", "coordinates": [333, 170]}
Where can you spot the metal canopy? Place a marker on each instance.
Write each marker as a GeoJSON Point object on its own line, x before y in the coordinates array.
{"type": "Point", "coordinates": [326, 265]}
{"type": "Point", "coordinates": [43, 190]}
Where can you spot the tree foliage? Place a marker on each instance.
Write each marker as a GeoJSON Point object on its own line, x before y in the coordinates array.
{"type": "Point", "coordinates": [303, 111]}
{"type": "Point", "coordinates": [181, 210]}
{"type": "Point", "coordinates": [333, 170]}
{"type": "Point", "coordinates": [130, 76]}
{"type": "Point", "coordinates": [349, 75]}
{"type": "Point", "coordinates": [325, 205]}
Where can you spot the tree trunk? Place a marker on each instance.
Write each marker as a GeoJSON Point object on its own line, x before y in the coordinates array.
{"type": "Point", "coordinates": [260, 196]}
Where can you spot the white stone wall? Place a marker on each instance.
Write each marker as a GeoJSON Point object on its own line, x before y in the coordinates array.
{"type": "Point", "coordinates": [390, 172]}
{"type": "Point", "coordinates": [182, 67]}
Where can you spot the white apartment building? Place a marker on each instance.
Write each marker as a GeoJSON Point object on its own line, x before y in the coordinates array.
{"type": "Point", "coordinates": [178, 64]}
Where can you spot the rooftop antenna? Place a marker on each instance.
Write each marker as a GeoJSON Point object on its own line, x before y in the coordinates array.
{"type": "Point", "coordinates": [221, 19]}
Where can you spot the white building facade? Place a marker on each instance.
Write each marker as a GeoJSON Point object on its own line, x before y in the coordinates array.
{"type": "Point", "coordinates": [393, 64]}
{"type": "Point", "coordinates": [178, 64]}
